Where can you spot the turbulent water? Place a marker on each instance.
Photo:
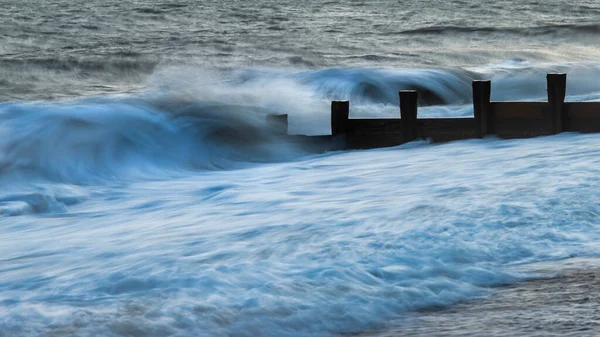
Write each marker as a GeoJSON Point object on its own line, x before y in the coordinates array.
{"type": "Point", "coordinates": [142, 193]}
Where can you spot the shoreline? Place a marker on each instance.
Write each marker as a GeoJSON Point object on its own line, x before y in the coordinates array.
{"type": "Point", "coordinates": [567, 303]}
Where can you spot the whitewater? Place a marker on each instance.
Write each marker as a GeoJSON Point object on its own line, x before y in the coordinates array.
{"type": "Point", "coordinates": [142, 192]}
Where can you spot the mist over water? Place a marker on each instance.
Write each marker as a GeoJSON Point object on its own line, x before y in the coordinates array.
{"type": "Point", "coordinates": [144, 195]}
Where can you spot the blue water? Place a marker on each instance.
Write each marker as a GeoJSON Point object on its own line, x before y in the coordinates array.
{"type": "Point", "coordinates": [157, 214]}
{"type": "Point", "coordinates": [143, 195]}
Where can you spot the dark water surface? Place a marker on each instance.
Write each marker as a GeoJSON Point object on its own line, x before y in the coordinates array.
{"type": "Point", "coordinates": [53, 48]}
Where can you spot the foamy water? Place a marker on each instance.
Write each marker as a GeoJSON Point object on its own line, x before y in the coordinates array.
{"type": "Point", "coordinates": [176, 212]}
{"type": "Point", "coordinates": [338, 243]}
{"type": "Point", "coordinates": [142, 193]}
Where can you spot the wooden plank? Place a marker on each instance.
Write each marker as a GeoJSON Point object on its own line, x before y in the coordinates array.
{"type": "Point", "coordinates": [372, 133]}
{"type": "Point", "coordinates": [527, 128]}
{"type": "Point", "coordinates": [522, 119]}
{"type": "Point", "coordinates": [357, 126]}
{"type": "Point", "coordinates": [586, 110]}
{"type": "Point", "coordinates": [508, 110]}
{"type": "Point", "coordinates": [368, 133]}
{"type": "Point", "coordinates": [583, 116]}
{"type": "Point", "coordinates": [448, 129]}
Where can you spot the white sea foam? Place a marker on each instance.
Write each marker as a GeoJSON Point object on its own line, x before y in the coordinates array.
{"type": "Point", "coordinates": [164, 216]}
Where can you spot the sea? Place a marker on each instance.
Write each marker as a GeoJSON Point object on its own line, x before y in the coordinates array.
{"type": "Point", "coordinates": [142, 194]}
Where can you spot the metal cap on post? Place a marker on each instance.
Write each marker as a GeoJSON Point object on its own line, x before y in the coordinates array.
{"type": "Point", "coordinates": [482, 91]}
{"type": "Point", "coordinates": [408, 114]}
{"type": "Point", "coordinates": [340, 111]}
{"type": "Point", "coordinates": [557, 87]}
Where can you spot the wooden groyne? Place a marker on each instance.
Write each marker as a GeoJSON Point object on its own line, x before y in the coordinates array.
{"type": "Point", "coordinates": [502, 119]}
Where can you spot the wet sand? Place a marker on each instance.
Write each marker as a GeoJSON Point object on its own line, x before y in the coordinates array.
{"type": "Point", "coordinates": [566, 304]}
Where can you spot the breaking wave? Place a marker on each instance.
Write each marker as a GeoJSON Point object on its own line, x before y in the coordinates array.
{"type": "Point", "coordinates": [169, 223]}
{"type": "Point", "coordinates": [193, 119]}
{"type": "Point", "coordinates": [112, 137]}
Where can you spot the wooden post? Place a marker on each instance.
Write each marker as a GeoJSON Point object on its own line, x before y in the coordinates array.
{"type": "Point", "coordinates": [557, 87]}
{"type": "Point", "coordinates": [340, 111]}
{"type": "Point", "coordinates": [408, 114]}
{"type": "Point", "coordinates": [278, 123]}
{"type": "Point", "coordinates": [482, 91]}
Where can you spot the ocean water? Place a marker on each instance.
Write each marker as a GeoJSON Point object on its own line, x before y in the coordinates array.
{"type": "Point", "coordinates": [142, 194]}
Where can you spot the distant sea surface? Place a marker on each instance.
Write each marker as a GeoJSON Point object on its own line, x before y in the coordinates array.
{"type": "Point", "coordinates": [59, 48]}
{"type": "Point", "coordinates": [142, 194]}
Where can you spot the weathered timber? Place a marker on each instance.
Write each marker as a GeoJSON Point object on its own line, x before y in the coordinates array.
{"type": "Point", "coordinates": [340, 112]}
{"type": "Point", "coordinates": [482, 91]}
{"type": "Point", "coordinates": [583, 116]}
{"type": "Point", "coordinates": [408, 114]}
{"type": "Point", "coordinates": [520, 110]}
{"type": "Point", "coordinates": [557, 88]}
{"type": "Point", "coordinates": [448, 129]}
{"type": "Point", "coordinates": [521, 119]}
{"type": "Point", "coordinates": [503, 119]}
{"type": "Point", "coordinates": [278, 124]}
{"type": "Point", "coordinates": [368, 133]}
